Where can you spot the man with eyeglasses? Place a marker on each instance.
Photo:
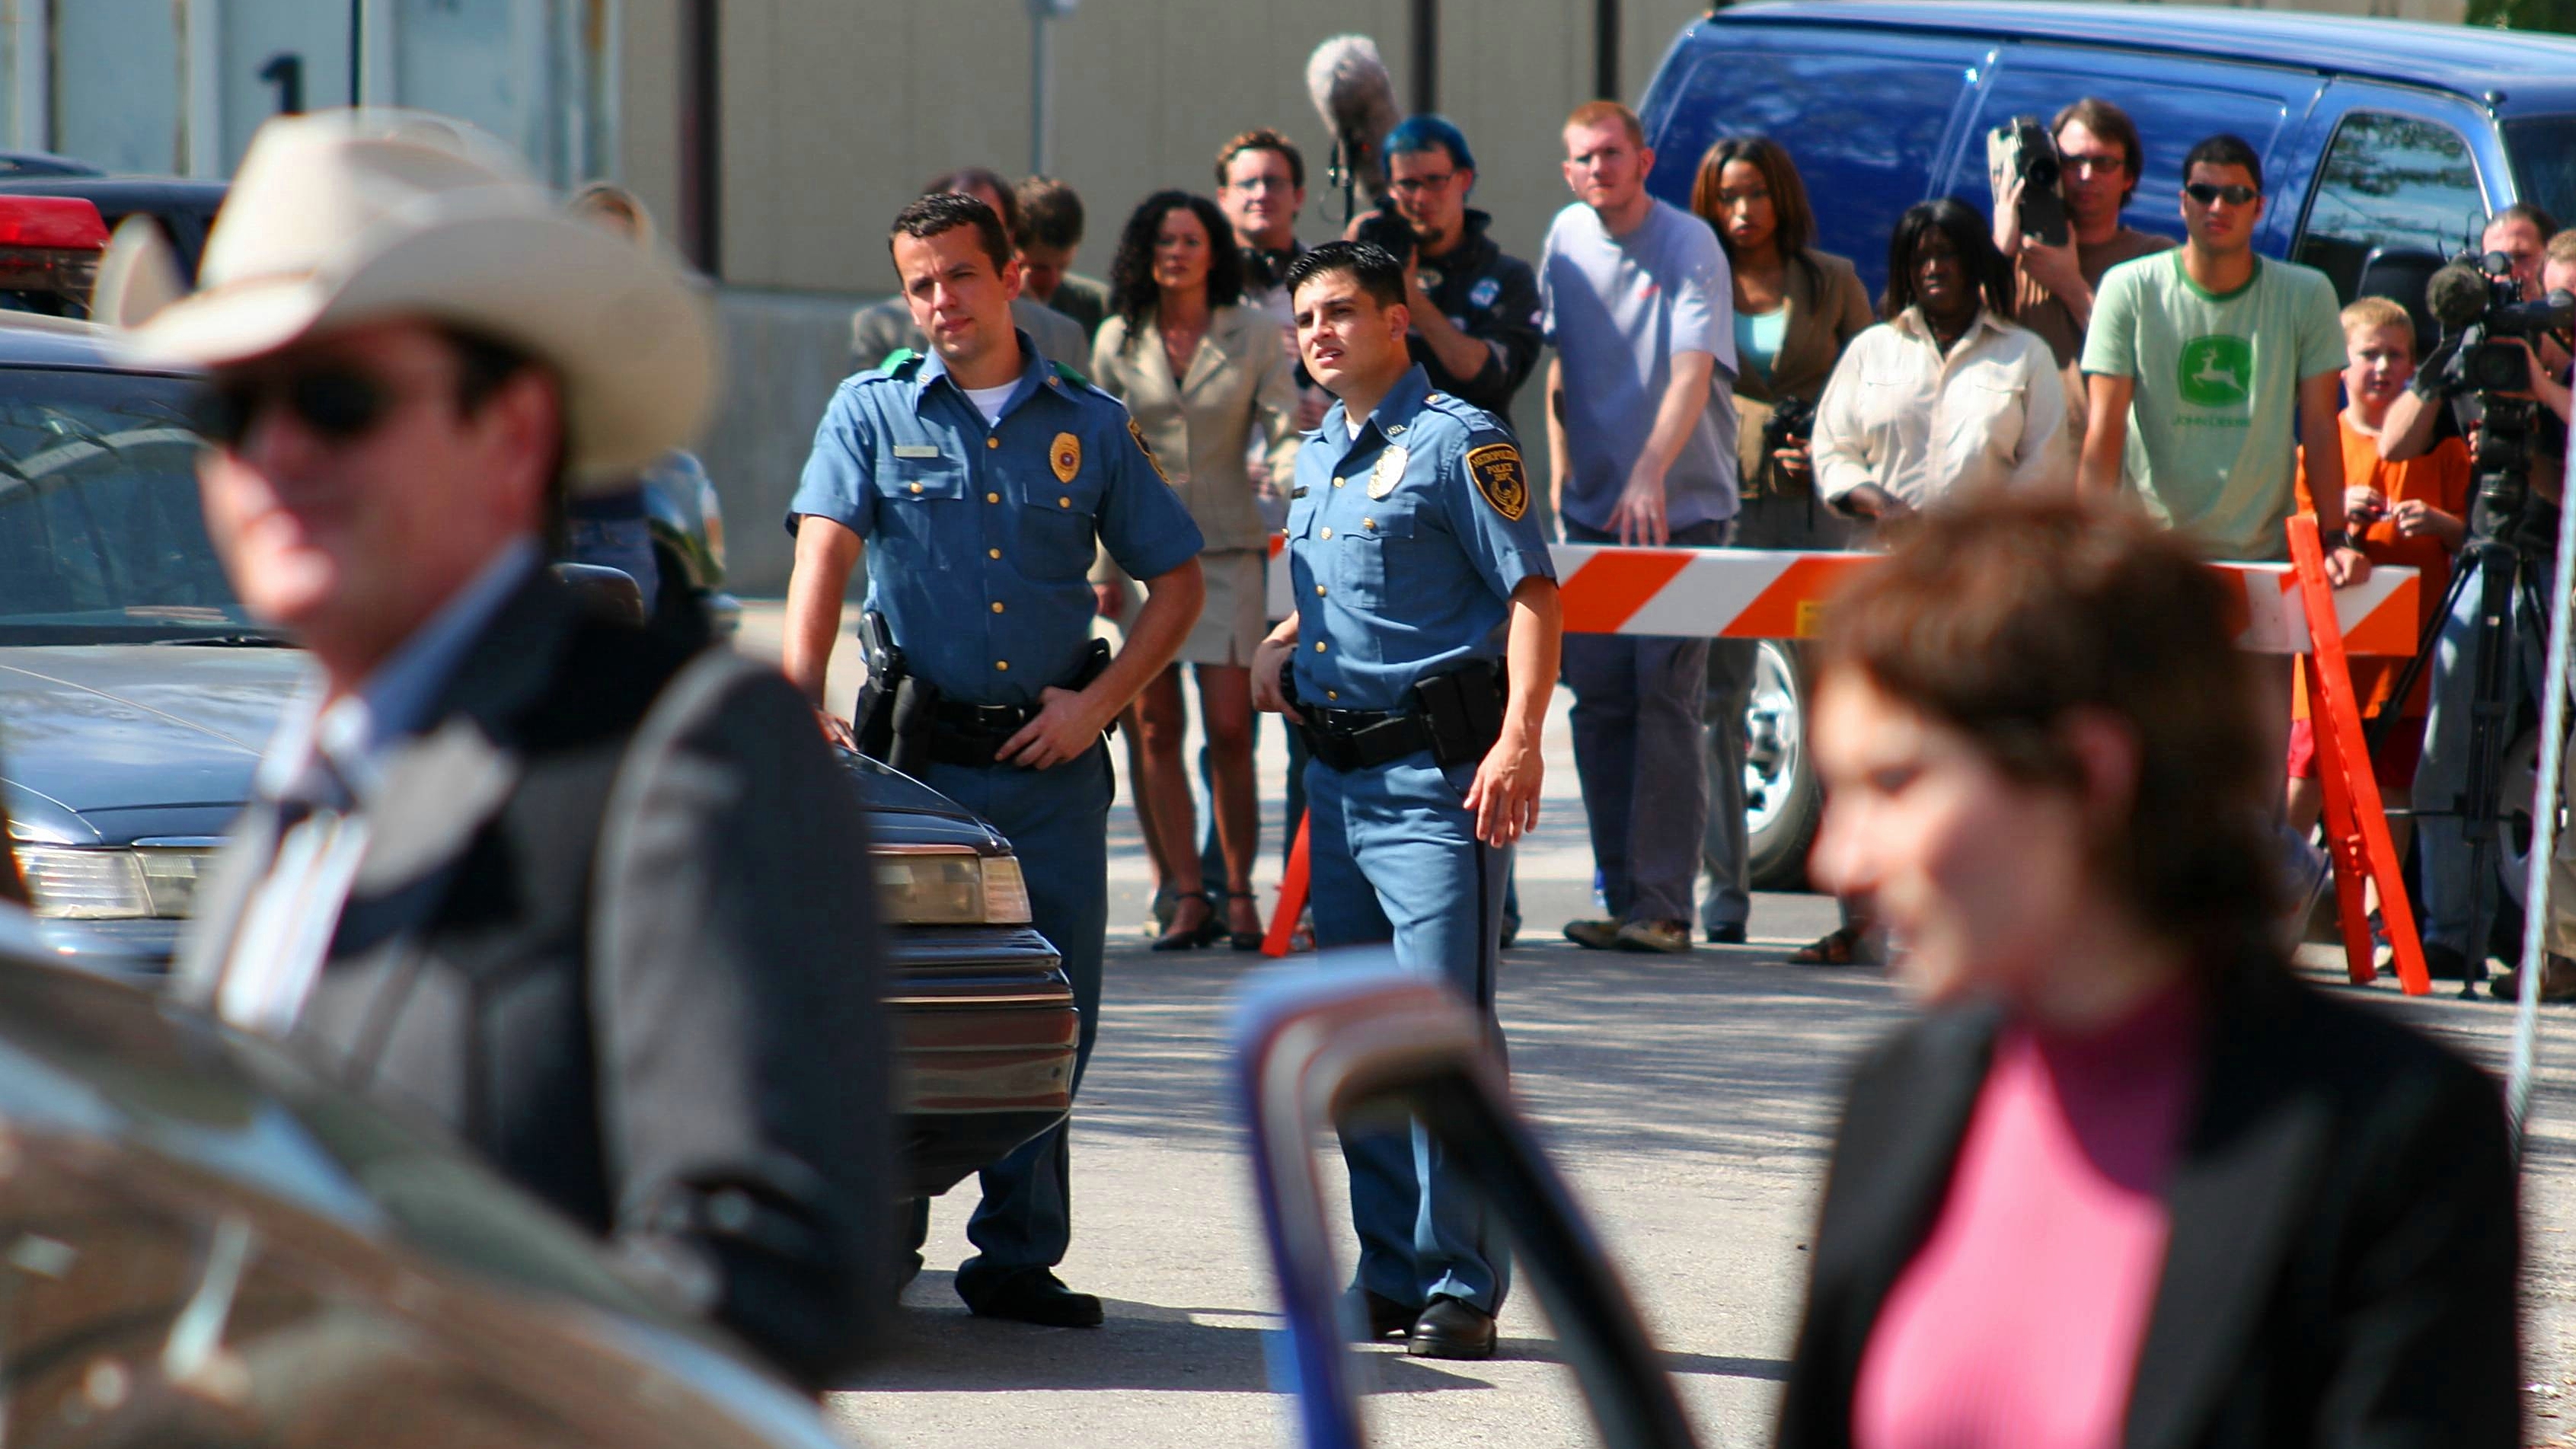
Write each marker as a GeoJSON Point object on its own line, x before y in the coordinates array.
{"type": "Point", "coordinates": [2206, 370]}
{"type": "Point", "coordinates": [574, 892]}
{"type": "Point", "coordinates": [2100, 162]}
{"type": "Point", "coordinates": [1261, 186]}
{"type": "Point", "coordinates": [1476, 326]}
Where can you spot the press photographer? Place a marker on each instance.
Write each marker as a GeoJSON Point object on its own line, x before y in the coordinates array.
{"type": "Point", "coordinates": [1475, 310]}
{"type": "Point", "coordinates": [2058, 195]}
{"type": "Point", "coordinates": [2499, 378]}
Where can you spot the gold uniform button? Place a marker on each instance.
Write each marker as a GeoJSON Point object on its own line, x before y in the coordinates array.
{"type": "Point", "coordinates": [1001, 664]}
{"type": "Point", "coordinates": [1338, 482]}
{"type": "Point", "coordinates": [1319, 646]}
{"type": "Point", "coordinates": [1332, 694]}
{"type": "Point", "coordinates": [992, 497]}
{"type": "Point", "coordinates": [1368, 523]}
{"type": "Point", "coordinates": [993, 553]}
{"type": "Point", "coordinates": [997, 606]}
{"type": "Point", "coordinates": [992, 442]}
{"type": "Point", "coordinates": [916, 487]}
{"type": "Point", "coordinates": [1319, 591]}
{"type": "Point", "coordinates": [1066, 502]}
{"type": "Point", "coordinates": [1328, 532]}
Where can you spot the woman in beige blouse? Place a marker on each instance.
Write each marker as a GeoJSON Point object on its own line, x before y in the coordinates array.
{"type": "Point", "coordinates": [1201, 374]}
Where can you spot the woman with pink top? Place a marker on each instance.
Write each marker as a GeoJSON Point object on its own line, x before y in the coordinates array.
{"type": "Point", "coordinates": [2128, 1181]}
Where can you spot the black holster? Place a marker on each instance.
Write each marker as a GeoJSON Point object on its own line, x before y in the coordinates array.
{"type": "Point", "coordinates": [1456, 715]}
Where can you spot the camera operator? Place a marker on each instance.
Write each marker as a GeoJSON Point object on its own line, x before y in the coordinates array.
{"type": "Point", "coordinates": [1475, 310]}
{"type": "Point", "coordinates": [2099, 163]}
{"type": "Point", "coordinates": [2437, 406]}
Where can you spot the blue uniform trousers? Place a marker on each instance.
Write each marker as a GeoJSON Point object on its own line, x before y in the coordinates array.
{"type": "Point", "coordinates": [1395, 858]}
{"type": "Point", "coordinates": [1058, 822]}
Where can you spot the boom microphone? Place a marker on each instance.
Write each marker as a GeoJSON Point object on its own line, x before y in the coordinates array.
{"type": "Point", "coordinates": [1348, 83]}
{"type": "Point", "coordinates": [2456, 296]}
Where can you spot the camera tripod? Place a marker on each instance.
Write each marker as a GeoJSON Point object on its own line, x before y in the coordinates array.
{"type": "Point", "coordinates": [2508, 555]}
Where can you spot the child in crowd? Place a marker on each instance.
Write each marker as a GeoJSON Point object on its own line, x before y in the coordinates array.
{"type": "Point", "coordinates": [2407, 514]}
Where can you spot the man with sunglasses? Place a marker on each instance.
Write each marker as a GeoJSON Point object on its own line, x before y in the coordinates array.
{"type": "Point", "coordinates": [574, 892]}
{"type": "Point", "coordinates": [1476, 326]}
{"type": "Point", "coordinates": [2208, 367]}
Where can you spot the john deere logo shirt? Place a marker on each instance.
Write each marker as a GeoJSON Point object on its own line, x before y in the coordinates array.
{"type": "Point", "coordinates": [2213, 426]}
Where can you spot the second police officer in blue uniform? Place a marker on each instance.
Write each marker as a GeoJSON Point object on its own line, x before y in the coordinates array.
{"type": "Point", "coordinates": [1419, 664]}
{"type": "Point", "coordinates": [983, 476]}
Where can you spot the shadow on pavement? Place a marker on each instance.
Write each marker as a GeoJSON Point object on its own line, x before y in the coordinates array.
{"type": "Point", "coordinates": [939, 1346]}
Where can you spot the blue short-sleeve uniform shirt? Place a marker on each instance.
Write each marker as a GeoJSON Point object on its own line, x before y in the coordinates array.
{"type": "Point", "coordinates": [1404, 545]}
{"type": "Point", "coordinates": [980, 538]}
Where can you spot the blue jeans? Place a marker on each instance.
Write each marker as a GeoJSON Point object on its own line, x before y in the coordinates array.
{"type": "Point", "coordinates": [2443, 844]}
{"type": "Point", "coordinates": [1396, 859]}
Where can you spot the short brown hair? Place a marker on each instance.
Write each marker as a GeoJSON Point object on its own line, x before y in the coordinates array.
{"type": "Point", "coordinates": [941, 211]}
{"type": "Point", "coordinates": [1262, 138]}
{"type": "Point", "coordinates": [972, 179]}
{"type": "Point", "coordinates": [2541, 221]}
{"type": "Point", "coordinates": [1793, 223]}
{"type": "Point", "coordinates": [2110, 123]}
{"type": "Point", "coordinates": [2377, 312]}
{"type": "Point", "coordinates": [1050, 213]}
{"type": "Point", "coordinates": [2007, 616]}
{"type": "Point", "coordinates": [1602, 113]}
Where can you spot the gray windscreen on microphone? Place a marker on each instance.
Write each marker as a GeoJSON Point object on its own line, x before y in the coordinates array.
{"type": "Point", "coordinates": [2456, 296]}
{"type": "Point", "coordinates": [1352, 92]}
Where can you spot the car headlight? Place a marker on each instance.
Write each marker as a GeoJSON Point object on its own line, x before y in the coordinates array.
{"type": "Point", "coordinates": [87, 884]}
{"type": "Point", "coordinates": [942, 887]}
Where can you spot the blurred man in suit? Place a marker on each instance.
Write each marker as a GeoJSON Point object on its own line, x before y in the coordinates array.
{"type": "Point", "coordinates": [580, 896]}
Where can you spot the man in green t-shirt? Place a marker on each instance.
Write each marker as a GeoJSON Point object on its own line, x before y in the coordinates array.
{"type": "Point", "coordinates": [2206, 367]}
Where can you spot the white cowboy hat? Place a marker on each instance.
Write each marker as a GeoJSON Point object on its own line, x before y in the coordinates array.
{"type": "Point", "coordinates": [345, 217]}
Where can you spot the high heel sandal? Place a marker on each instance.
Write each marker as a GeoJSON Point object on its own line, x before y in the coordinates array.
{"type": "Point", "coordinates": [1244, 940]}
{"type": "Point", "coordinates": [1191, 938]}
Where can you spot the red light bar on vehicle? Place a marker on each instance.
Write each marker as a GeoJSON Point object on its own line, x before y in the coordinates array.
{"type": "Point", "coordinates": [58, 223]}
{"type": "Point", "coordinates": [49, 253]}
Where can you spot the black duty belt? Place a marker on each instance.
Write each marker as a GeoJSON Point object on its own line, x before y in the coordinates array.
{"type": "Point", "coordinates": [973, 734]}
{"type": "Point", "coordinates": [1457, 717]}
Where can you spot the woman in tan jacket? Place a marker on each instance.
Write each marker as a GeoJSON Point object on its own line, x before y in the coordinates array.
{"type": "Point", "coordinates": [1201, 375]}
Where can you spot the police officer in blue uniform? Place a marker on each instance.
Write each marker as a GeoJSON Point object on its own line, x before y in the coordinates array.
{"type": "Point", "coordinates": [1418, 665]}
{"type": "Point", "coordinates": [984, 476]}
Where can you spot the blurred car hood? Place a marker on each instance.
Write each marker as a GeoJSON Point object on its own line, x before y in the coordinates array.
{"type": "Point", "coordinates": [124, 726]}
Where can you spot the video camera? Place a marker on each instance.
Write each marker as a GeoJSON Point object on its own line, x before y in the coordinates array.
{"type": "Point", "coordinates": [2488, 331]}
{"type": "Point", "coordinates": [2022, 147]}
{"type": "Point", "coordinates": [1384, 228]}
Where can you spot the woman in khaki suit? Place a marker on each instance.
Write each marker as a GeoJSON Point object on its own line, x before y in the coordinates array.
{"type": "Point", "coordinates": [1201, 375]}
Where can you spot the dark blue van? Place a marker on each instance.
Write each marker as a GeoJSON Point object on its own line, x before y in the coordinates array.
{"type": "Point", "coordinates": [2375, 134]}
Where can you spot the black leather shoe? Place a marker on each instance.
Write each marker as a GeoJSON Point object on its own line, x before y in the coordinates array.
{"type": "Point", "coordinates": [1731, 934]}
{"type": "Point", "coordinates": [1385, 1317]}
{"type": "Point", "coordinates": [1040, 1298]}
{"type": "Point", "coordinates": [1452, 1328]}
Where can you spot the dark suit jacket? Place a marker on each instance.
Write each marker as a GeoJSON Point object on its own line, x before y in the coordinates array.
{"type": "Point", "coordinates": [613, 927]}
{"type": "Point", "coordinates": [2342, 1259]}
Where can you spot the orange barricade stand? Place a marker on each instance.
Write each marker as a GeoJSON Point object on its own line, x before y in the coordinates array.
{"type": "Point", "coordinates": [1292, 899]}
{"type": "Point", "coordinates": [2356, 821]}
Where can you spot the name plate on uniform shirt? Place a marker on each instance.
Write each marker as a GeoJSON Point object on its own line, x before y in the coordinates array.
{"type": "Point", "coordinates": [916, 450]}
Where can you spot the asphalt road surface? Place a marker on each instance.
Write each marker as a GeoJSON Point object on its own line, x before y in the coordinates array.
{"type": "Point", "coordinates": [1690, 1099]}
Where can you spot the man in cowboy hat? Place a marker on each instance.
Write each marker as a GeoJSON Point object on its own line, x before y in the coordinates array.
{"type": "Point", "coordinates": [577, 894]}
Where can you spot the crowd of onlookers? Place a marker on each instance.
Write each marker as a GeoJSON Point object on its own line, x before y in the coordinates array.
{"type": "Point", "coordinates": [1717, 380]}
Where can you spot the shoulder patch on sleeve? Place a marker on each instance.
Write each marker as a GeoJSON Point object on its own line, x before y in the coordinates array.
{"type": "Point", "coordinates": [899, 363]}
{"type": "Point", "coordinates": [1147, 449]}
{"type": "Point", "coordinates": [1500, 479]}
{"type": "Point", "coordinates": [1066, 372]}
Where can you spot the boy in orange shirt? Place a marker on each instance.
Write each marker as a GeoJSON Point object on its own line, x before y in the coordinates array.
{"type": "Point", "coordinates": [2407, 514]}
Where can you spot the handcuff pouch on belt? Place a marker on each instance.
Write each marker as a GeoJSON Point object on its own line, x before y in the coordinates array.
{"type": "Point", "coordinates": [906, 723]}
{"type": "Point", "coordinates": [1456, 715]}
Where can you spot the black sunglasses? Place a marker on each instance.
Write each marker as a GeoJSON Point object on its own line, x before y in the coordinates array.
{"type": "Point", "coordinates": [339, 404]}
{"type": "Point", "coordinates": [2204, 193]}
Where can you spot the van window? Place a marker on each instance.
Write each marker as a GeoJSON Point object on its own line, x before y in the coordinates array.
{"type": "Point", "coordinates": [2542, 150]}
{"type": "Point", "coordinates": [1864, 129]}
{"type": "Point", "coordinates": [2389, 181]}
